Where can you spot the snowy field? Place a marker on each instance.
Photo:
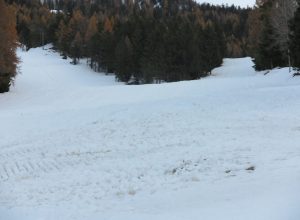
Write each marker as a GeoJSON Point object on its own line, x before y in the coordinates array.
{"type": "Point", "coordinates": [76, 145]}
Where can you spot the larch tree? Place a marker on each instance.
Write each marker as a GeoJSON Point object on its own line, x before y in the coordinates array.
{"type": "Point", "coordinates": [76, 49]}
{"type": "Point", "coordinates": [77, 23]}
{"type": "Point", "coordinates": [108, 25]}
{"type": "Point", "coordinates": [63, 36]}
{"type": "Point", "coordinates": [92, 28]}
{"type": "Point", "coordinates": [8, 45]}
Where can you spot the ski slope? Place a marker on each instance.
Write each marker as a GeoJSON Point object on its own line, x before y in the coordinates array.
{"type": "Point", "coordinates": [238, 3]}
{"type": "Point", "coordinates": [77, 145]}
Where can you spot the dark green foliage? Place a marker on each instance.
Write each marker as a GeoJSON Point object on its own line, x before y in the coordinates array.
{"type": "Point", "coordinates": [153, 59]}
{"type": "Point", "coordinates": [5, 81]}
{"type": "Point", "coordinates": [213, 48]}
{"type": "Point", "coordinates": [295, 39]}
{"type": "Point", "coordinates": [268, 54]}
{"type": "Point", "coordinates": [24, 34]}
{"type": "Point", "coordinates": [106, 51]}
{"type": "Point", "coordinates": [124, 60]}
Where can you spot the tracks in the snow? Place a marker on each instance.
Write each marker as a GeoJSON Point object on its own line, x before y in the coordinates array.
{"type": "Point", "coordinates": [32, 162]}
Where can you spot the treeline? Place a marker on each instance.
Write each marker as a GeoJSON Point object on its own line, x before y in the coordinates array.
{"type": "Point", "coordinates": [274, 36]}
{"type": "Point", "coordinates": [145, 41]}
{"type": "Point", "coordinates": [142, 48]}
{"type": "Point", "coordinates": [140, 41]}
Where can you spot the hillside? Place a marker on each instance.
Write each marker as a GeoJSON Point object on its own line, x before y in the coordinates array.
{"type": "Point", "coordinates": [78, 145]}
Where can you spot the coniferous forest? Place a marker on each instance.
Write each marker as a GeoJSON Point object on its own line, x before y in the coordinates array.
{"type": "Point", "coordinates": [153, 41]}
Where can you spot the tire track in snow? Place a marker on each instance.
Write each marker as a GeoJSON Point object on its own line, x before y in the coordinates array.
{"type": "Point", "coordinates": [27, 163]}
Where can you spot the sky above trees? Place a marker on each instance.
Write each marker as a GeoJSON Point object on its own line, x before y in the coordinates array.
{"type": "Point", "coordinates": [242, 3]}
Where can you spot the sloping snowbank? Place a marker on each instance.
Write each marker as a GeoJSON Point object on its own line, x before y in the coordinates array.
{"type": "Point", "coordinates": [78, 145]}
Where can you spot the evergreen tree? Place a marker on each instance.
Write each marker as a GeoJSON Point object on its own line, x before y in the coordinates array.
{"type": "Point", "coordinates": [107, 46]}
{"type": "Point", "coordinates": [195, 62]}
{"type": "Point", "coordinates": [295, 39]}
{"type": "Point", "coordinates": [268, 54]}
{"type": "Point", "coordinates": [138, 36]}
{"type": "Point", "coordinates": [123, 56]}
{"type": "Point", "coordinates": [153, 63]}
{"type": "Point", "coordinates": [213, 47]}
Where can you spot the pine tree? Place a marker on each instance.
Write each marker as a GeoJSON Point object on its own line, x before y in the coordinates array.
{"type": "Point", "coordinates": [8, 45]}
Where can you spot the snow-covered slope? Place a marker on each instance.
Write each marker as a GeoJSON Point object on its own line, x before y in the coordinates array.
{"type": "Point", "coordinates": [78, 145]}
{"type": "Point", "coordinates": [241, 3]}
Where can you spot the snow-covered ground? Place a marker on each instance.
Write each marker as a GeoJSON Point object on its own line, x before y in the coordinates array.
{"type": "Point", "coordinates": [241, 3]}
{"type": "Point", "coordinates": [77, 145]}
